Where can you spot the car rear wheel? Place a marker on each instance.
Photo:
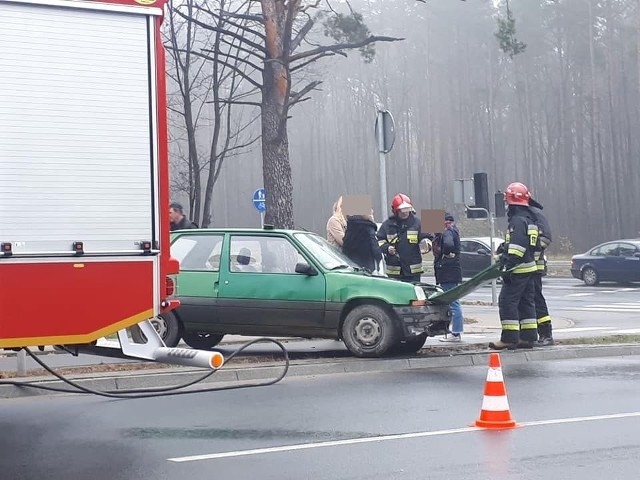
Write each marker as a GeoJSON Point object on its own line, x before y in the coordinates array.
{"type": "Point", "coordinates": [201, 341]}
{"type": "Point", "coordinates": [590, 277]}
{"type": "Point", "coordinates": [369, 331]}
{"type": "Point", "coordinates": [167, 325]}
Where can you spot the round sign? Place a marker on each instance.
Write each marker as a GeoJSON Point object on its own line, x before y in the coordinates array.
{"type": "Point", "coordinates": [260, 200]}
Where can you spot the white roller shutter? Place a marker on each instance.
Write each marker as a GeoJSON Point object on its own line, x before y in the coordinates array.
{"type": "Point", "coordinates": [76, 129]}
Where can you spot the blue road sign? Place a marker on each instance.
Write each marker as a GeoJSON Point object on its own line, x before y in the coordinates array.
{"type": "Point", "coordinates": [260, 200]}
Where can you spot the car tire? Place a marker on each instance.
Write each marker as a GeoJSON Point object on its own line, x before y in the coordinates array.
{"type": "Point", "coordinates": [369, 331]}
{"type": "Point", "coordinates": [590, 277]}
{"type": "Point", "coordinates": [166, 324]}
{"type": "Point", "coordinates": [411, 345]}
{"type": "Point", "coordinates": [201, 341]}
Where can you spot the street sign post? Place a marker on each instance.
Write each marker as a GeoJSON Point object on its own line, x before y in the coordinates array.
{"type": "Point", "coordinates": [260, 202]}
{"type": "Point", "coordinates": [385, 135]}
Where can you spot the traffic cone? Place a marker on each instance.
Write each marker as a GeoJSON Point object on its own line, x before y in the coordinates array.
{"type": "Point", "coordinates": [495, 412]}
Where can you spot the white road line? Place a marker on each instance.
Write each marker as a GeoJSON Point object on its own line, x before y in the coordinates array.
{"type": "Point", "coordinates": [601, 309]}
{"type": "Point", "coordinates": [580, 294]}
{"type": "Point", "coordinates": [627, 331]}
{"type": "Point", "coordinates": [578, 329]}
{"type": "Point", "coordinates": [616, 305]}
{"type": "Point", "coordinates": [384, 438]}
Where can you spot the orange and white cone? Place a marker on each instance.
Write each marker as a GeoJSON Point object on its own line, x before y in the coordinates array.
{"type": "Point", "coordinates": [495, 412]}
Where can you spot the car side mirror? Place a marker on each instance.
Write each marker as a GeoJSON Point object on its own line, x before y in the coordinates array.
{"type": "Point", "coordinates": [306, 269]}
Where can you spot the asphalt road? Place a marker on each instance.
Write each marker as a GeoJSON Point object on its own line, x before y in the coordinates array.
{"type": "Point", "coordinates": [578, 420]}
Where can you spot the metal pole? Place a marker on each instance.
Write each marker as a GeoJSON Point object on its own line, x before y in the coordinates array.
{"type": "Point", "coordinates": [21, 367]}
{"type": "Point", "coordinates": [262, 220]}
{"type": "Point", "coordinates": [493, 260]}
{"type": "Point", "coordinates": [491, 235]}
{"type": "Point", "coordinates": [383, 167]}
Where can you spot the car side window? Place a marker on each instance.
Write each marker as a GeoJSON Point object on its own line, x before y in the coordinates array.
{"type": "Point", "coordinates": [465, 246]}
{"type": "Point", "coordinates": [627, 250]}
{"type": "Point", "coordinates": [610, 250]}
{"type": "Point", "coordinates": [267, 254]}
{"type": "Point", "coordinates": [198, 252]}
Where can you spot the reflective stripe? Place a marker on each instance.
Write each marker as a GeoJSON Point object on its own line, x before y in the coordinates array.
{"type": "Point", "coordinates": [495, 404]}
{"type": "Point", "coordinates": [416, 268]}
{"type": "Point", "coordinates": [393, 270]}
{"type": "Point", "coordinates": [516, 250]}
{"type": "Point", "coordinates": [529, 324]}
{"type": "Point", "coordinates": [510, 325]}
{"type": "Point", "coordinates": [412, 238]}
{"type": "Point", "coordinates": [544, 319]}
{"type": "Point", "coordinates": [532, 233]}
{"type": "Point", "coordinates": [391, 238]}
{"type": "Point", "coordinates": [529, 267]}
{"type": "Point", "coordinates": [495, 375]}
{"type": "Point", "coordinates": [381, 242]}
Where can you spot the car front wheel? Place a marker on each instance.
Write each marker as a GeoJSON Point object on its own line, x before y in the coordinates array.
{"type": "Point", "coordinates": [167, 325]}
{"type": "Point", "coordinates": [590, 277]}
{"type": "Point", "coordinates": [369, 331]}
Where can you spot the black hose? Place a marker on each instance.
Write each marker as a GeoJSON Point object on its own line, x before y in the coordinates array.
{"type": "Point", "coordinates": [154, 392]}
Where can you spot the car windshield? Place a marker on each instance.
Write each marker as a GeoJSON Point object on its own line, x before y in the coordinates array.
{"type": "Point", "coordinates": [328, 255]}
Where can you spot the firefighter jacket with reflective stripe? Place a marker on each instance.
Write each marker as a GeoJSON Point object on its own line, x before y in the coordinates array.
{"type": "Point", "coordinates": [544, 239]}
{"type": "Point", "coordinates": [520, 241]}
{"type": "Point", "coordinates": [405, 236]}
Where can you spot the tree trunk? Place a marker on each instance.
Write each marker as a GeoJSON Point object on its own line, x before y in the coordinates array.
{"type": "Point", "coordinates": [276, 169]}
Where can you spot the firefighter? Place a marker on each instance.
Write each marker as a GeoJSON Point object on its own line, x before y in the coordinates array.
{"type": "Point", "coordinates": [545, 333]}
{"type": "Point", "coordinates": [516, 301]}
{"type": "Point", "coordinates": [399, 239]}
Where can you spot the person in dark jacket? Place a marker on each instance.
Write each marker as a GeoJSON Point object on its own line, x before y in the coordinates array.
{"type": "Point", "coordinates": [545, 330]}
{"type": "Point", "coordinates": [516, 302]}
{"type": "Point", "coordinates": [360, 243]}
{"type": "Point", "coordinates": [178, 220]}
{"type": "Point", "coordinates": [399, 239]}
{"type": "Point", "coordinates": [446, 265]}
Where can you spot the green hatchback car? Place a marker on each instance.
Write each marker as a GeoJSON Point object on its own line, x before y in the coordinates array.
{"type": "Point", "coordinates": [269, 282]}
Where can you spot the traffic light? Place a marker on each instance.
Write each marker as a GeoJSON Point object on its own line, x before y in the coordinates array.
{"type": "Point", "coordinates": [481, 194]}
{"type": "Point", "coordinates": [481, 188]}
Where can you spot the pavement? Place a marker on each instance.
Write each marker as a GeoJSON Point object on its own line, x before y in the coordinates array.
{"type": "Point", "coordinates": [482, 325]}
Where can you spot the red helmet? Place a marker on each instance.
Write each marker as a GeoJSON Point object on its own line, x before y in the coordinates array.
{"type": "Point", "coordinates": [517, 194]}
{"type": "Point", "coordinates": [400, 201]}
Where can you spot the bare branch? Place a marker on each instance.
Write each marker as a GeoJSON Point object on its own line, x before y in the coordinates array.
{"type": "Point", "coordinates": [232, 67]}
{"type": "Point", "coordinates": [343, 46]}
{"type": "Point", "coordinates": [223, 31]}
{"type": "Point", "coordinates": [295, 43]}
{"type": "Point", "coordinates": [313, 59]}
{"type": "Point", "coordinates": [296, 96]}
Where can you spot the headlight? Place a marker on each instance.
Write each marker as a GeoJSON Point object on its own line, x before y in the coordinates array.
{"type": "Point", "coordinates": [420, 295]}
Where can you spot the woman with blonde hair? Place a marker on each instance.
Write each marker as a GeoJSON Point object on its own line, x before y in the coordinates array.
{"type": "Point", "coordinates": [336, 225]}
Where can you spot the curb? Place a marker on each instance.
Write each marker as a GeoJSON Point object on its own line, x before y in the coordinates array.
{"type": "Point", "coordinates": [236, 376]}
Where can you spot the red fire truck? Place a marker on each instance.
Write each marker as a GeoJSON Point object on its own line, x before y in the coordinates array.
{"type": "Point", "coordinates": [84, 185]}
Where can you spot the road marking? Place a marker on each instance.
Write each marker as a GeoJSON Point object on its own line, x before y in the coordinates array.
{"type": "Point", "coordinates": [578, 329]}
{"type": "Point", "coordinates": [580, 294]}
{"type": "Point", "coordinates": [333, 443]}
{"type": "Point", "coordinates": [627, 331]}
{"type": "Point", "coordinates": [385, 438]}
{"type": "Point", "coordinates": [616, 305]}
{"type": "Point", "coordinates": [603, 309]}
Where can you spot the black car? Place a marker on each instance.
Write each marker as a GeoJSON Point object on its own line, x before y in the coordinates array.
{"type": "Point", "coordinates": [475, 254]}
{"type": "Point", "coordinates": [615, 261]}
